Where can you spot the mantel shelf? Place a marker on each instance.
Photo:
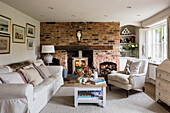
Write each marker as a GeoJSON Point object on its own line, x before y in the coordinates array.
{"type": "Point", "coordinates": [82, 47]}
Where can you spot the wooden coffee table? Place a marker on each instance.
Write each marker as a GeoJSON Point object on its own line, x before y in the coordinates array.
{"type": "Point", "coordinates": [87, 87]}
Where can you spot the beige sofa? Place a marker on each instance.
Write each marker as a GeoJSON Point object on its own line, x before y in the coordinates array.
{"type": "Point", "coordinates": [24, 98]}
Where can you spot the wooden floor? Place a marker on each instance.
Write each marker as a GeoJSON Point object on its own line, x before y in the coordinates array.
{"type": "Point", "coordinates": [150, 91]}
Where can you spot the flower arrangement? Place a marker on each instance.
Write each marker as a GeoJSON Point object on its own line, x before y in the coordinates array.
{"type": "Point", "coordinates": [83, 71]}
{"type": "Point", "coordinates": [133, 46]}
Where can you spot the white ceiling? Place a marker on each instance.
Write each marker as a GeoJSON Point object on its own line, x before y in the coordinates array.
{"type": "Point", "coordinates": [89, 10]}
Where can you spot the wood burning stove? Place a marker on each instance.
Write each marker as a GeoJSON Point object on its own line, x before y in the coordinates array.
{"type": "Point", "coordinates": [79, 61]}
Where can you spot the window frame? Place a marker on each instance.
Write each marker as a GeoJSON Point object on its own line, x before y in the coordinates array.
{"type": "Point", "coordinates": [163, 44]}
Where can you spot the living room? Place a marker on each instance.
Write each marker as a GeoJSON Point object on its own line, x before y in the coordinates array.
{"type": "Point", "coordinates": [124, 44]}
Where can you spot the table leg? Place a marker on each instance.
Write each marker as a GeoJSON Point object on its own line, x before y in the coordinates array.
{"type": "Point", "coordinates": [104, 96]}
{"type": "Point", "coordinates": [75, 97]}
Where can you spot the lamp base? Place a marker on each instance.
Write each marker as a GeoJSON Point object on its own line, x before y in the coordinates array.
{"type": "Point", "coordinates": [48, 58]}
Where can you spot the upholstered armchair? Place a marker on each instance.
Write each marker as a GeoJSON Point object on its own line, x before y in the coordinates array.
{"type": "Point", "coordinates": [132, 79]}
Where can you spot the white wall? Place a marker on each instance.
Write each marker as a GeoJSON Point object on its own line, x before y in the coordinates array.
{"type": "Point", "coordinates": [18, 51]}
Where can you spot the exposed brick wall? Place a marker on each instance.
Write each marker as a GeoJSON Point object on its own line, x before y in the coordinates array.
{"type": "Point", "coordinates": [95, 33]}
{"type": "Point", "coordinates": [62, 56]}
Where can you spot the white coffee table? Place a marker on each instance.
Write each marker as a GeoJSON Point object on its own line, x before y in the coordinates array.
{"type": "Point", "coordinates": [88, 87]}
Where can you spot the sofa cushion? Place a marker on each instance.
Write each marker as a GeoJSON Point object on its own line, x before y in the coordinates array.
{"type": "Point", "coordinates": [17, 66]}
{"type": "Point", "coordinates": [43, 71]}
{"type": "Point", "coordinates": [122, 78]}
{"type": "Point", "coordinates": [134, 67]}
{"type": "Point", "coordinates": [5, 69]}
{"type": "Point", "coordinates": [32, 76]}
{"type": "Point", "coordinates": [43, 87]}
{"type": "Point", "coordinates": [38, 62]}
{"type": "Point", "coordinates": [12, 78]}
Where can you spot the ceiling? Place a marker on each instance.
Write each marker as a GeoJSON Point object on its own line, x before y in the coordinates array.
{"type": "Point", "coordinates": [89, 10]}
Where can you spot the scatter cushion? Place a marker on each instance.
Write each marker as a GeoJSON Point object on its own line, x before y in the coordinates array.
{"type": "Point", "coordinates": [5, 69]}
{"type": "Point", "coordinates": [134, 67]}
{"type": "Point", "coordinates": [27, 67]}
{"type": "Point", "coordinates": [127, 65]}
{"type": "Point", "coordinates": [32, 76]}
{"type": "Point", "coordinates": [127, 70]}
{"type": "Point", "coordinates": [17, 66]}
{"type": "Point", "coordinates": [38, 62]}
{"type": "Point", "coordinates": [22, 76]}
{"type": "Point", "coordinates": [11, 78]}
{"type": "Point", "coordinates": [43, 71]}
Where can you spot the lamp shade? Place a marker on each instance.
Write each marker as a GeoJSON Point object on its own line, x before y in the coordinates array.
{"type": "Point", "coordinates": [48, 49]}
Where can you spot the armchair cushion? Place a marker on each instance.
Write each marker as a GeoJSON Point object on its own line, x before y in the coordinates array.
{"type": "Point", "coordinates": [119, 77]}
{"type": "Point", "coordinates": [134, 67]}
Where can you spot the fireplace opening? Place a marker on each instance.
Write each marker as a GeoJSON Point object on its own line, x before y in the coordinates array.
{"type": "Point", "coordinates": [106, 68]}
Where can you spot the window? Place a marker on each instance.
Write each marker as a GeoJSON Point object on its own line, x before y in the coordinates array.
{"type": "Point", "coordinates": [159, 43]}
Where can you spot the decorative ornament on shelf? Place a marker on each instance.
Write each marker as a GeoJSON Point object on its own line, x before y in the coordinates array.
{"type": "Point", "coordinates": [79, 35]}
{"type": "Point", "coordinates": [126, 31]}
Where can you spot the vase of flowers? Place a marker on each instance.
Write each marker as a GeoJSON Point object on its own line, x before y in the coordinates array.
{"type": "Point", "coordinates": [132, 48]}
{"type": "Point", "coordinates": [84, 72]}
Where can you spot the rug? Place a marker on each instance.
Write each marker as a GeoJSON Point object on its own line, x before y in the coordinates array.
{"type": "Point", "coordinates": [137, 102]}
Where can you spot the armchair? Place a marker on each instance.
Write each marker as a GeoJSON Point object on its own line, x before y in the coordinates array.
{"type": "Point", "coordinates": [132, 81]}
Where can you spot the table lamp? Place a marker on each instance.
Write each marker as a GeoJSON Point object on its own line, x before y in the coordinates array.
{"type": "Point", "coordinates": [48, 49]}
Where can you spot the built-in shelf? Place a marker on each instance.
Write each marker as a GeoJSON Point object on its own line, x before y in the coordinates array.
{"type": "Point", "coordinates": [127, 35]}
{"type": "Point", "coordinates": [125, 51]}
{"type": "Point", "coordinates": [127, 43]}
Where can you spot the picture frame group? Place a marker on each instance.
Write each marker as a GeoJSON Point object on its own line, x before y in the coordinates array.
{"type": "Point", "coordinates": [19, 34]}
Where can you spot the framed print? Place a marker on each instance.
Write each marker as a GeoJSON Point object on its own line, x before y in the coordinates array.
{"type": "Point", "coordinates": [5, 25]}
{"type": "Point", "coordinates": [4, 44]}
{"type": "Point", "coordinates": [30, 30]}
{"type": "Point", "coordinates": [18, 34]}
{"type": "Point", "coordinates": [30, 43]}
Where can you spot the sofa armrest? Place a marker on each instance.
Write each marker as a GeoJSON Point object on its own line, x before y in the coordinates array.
{"type": "Point", "coordinates": [13, 91]}
{"type": "Point", "coordinates": [55, 69]}
{"type": "Point", "coordinates": [137, 80]}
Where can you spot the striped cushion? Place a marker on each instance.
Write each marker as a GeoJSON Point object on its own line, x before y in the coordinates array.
{"type": "Point", "coordinates": [43, 71]}
{"type": "Point", "coordinates": [22, 76]}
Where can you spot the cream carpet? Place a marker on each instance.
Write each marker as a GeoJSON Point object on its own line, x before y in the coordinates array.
{"type": "Point", "coordinates": [137, 102]}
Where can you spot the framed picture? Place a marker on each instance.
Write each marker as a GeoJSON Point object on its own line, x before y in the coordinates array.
{"type": "Point", "coordinates": [30, 43]}
{"type": "Point", "coordinates": [5, 25]}
{"type": "Point", "coordinates": [30, 30]}
{"type": "Point", "coordinates": [4, 44]}
{"type": "Point", "coordinates": [18, 34]}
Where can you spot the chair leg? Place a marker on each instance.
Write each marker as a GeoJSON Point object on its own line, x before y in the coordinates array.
{"type": "Point", "coordinates": [110, 87]}
{"type": "Point", "coordinates": [127, 93]}
{"type": "Point", "coordinates": [143, 89]}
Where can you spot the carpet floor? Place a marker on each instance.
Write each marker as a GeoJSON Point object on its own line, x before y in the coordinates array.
{"type": "Point", "coordinates": [137, 102]}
